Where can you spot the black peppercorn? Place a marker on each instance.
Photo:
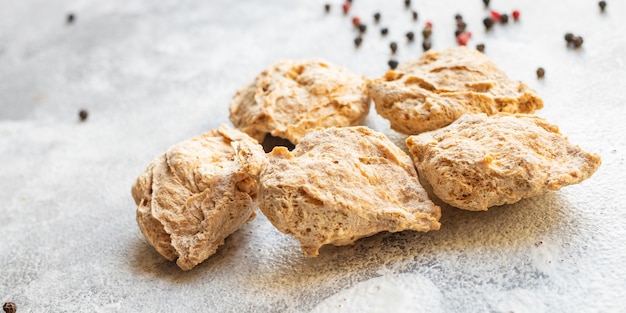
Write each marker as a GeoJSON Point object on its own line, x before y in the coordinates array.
{"type": "Point", "coordinates": [426, 45]}
{"type": "Point", "coordinates": [480, 47]}
{"type": "Point", "coordinates": [358, 41]}
{"type": "Point", "coordinates": [486, 2]}
{"type": "Point", "coordinates": [415, 15]}
{"type": "Point", "coordinates": [384, 31]}
{"type": "Point", "coordinates": [541, 72]}
{"type": "Point", "coordinates": [569, 37]}
{"type": "Point", "coordinates": [393, 64]}
{"type": "Point", "coordinates": [9, 307]}
{"type": "Point", "coordinates": [70, 18]}
{"type": "Point", "coordinates": [393, 46]}
{"type": "Point", "coordinates": [460, 25]}
{"type": "Point", "coordinates": [457, 32]}
{"type": "Point", "coordinates": [427, 32]}
{"type": "Point", "coordinates": [602, 5]}
{"type": "Point", "coordinates": [362, 28]}
{"type": "Point", "coordinates": [410, 36]}
{"type": "Point", "coordinates": [327, 7]}
{"type": "Point", "coordinates": [83, 114]}
{"type": "Point", "coordinates": [407, 3]}
{"type": "Point", "coordinates": [458, 18]}
{"type": "Point", "coordinates": [577, 41]}
{"type": "Point", "coordinates": [504, 18]}
{"type": "Point", "coordinates": [376, 17]}
{"type": "Point", "coordinates": [488, 22]}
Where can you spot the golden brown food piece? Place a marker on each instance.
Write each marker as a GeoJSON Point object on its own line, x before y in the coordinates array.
{"type": "Point", "coordinates": [198, 193]}
{"type": "Point", "coordinates": [436, 89]}
{"type": "Point", "coordinates": [340, 184]}
{"type": "Point", "coordinates": [481, 161]}
{"type": "Point", "coordinates": [291, 98]}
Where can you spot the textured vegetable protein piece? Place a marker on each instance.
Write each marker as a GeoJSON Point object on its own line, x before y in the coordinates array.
{"type": "Point", "coordinates": [291, 98]}
{"type": "Point", "coordinates": [439, 87]}
{"type": "Point", "coordinates": [340, 184]}
{"type": "Point", "coordinates": [481, 161]}
{"type": "Point", "coordinates": [196, 194]}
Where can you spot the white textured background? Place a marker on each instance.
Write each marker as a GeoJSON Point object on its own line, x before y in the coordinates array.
{"type": "Point", "coordinates": [152, 73]}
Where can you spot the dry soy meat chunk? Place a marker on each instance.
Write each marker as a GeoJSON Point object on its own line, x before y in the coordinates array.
{"type": "Point", "coordinates": [340, 184]}
{"type": "Point", "coordinates": [198, 193]}
{"type": "Point", "coordinates": [434, 90]}
{"type": "Point", "coordinates": [481, 161]}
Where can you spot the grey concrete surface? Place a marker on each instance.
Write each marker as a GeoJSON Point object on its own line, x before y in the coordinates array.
{"type": "Point", "coordinates": [152, 73]}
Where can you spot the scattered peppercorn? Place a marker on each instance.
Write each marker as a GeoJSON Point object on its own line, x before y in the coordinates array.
{"type": "Point", "coordinates": [393, 64]}
{"type": "Point", "coordinates": [460, 25]}
{"type": "Point", "coordinates": [427, 32]}
{"type": "Point", "coordinates": [515, 15]}
{"type": "Point", "coordinates": [504, 18]}
{"type": "Point", "coordinates": [486, 2]}
{"type": "Point", "coordinates": [480, 47]}
{"type": "Point", "coordinates": [358, 41]}
{"type": "Point", "coordinates": [415, 15]}
{"type": "Point", "coordinates": [458, 18]}
{"type": "Point", "coordinates": [602, 5]}
{"type": "Point", "coordinates": [426, 45]}
{"type": "Point", "coordinates": [377, 17]}
{"type": "Point", "coordinates": [83, 114]}
{"type": "Point", "coordinates": [327, 7]}
{"type": "Point", "coordinates": [345, 7]}
{"type": "Point", "coordinates": [488, 21]}
{"type": "Point", "coordinates": [356, 21]}
{"type": "Point", "coordinates": [407, 3]}
{"type": "Point", "coordinates": [494, 15]}
{"type": "Point", "coordinates": [393, 46]}
{"type": "Point", "coordinates": [457, 32]}
{"type": "Point", "coordinates": [384, 31]}
{"type": "Point", "coordinates": [70, 18]}
{"type": "Point", "coordinates": [541, 72]}
{"type": "Point", "coordinates": [463, 38]}
{"type": "Point", "coordinates": [349, 1]}
{"type": "Point", "coordinates": [569, 37]}
{"type": "Point", "coordinates": [429, 24]}
{"type": "Point", "coordinates": [410, 36]}
{"type": "Point", "coordinates": [9, 307]}
{"type": "Point", "coordinates": [577, 41]}
{"type": "Point", "coordinates": [362, 28]}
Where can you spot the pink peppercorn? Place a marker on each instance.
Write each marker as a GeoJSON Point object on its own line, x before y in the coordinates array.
{"type": "Point", "coordinates": [429, 24]}
{"type": "Point", "coordinates": [346, 7]}
{"type": "Point", "coordinates": [495, 15]}
{"type": "Point", "coordinates": [515, 15]}
{"type": "Point", "coordinates": [356, 21]}
{"type": "Point", "coordinates": [463, 38]}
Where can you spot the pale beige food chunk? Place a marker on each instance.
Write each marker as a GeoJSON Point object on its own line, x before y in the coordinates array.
{"type": "Point", "coordinates": [291, 98]}
{"type": "Point", "coordinates": [343, 183]}
{"type": "Point", "coordinates": [198, 193]}
{"type": "Point", "coordinates": [481, 161]}
{"type": "Point", "coordinates": [436, 89]}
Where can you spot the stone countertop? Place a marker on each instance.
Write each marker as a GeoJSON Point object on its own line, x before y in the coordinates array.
{"type": "Point", "coordinates": [153, 73]}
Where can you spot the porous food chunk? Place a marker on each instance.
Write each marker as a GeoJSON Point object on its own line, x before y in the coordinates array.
{"type": "Point", "coordinates": [340, 184]}
{"type": "Point", "coordinates": [434, 90]}
{"type": "Point", "coordinates": [481, 161]}
{"type": "Point", "coordinates": [291, 98]}
{"type": "Point", "coordinates": [198, 193]}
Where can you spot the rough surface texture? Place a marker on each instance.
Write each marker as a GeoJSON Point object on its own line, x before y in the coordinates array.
{"type": "Point", "coordinates": [196, 194]}
{"type": "Point", "coordinates": [342, 184]}
{"type": "Point", "coordinates": [431, 92]}
{"type": "Point", "coordinates": [291, 98]}
{"type": "Point", "coordinates": [154, 73]}
{"type": "Point", "coordinates": [481, 161]}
